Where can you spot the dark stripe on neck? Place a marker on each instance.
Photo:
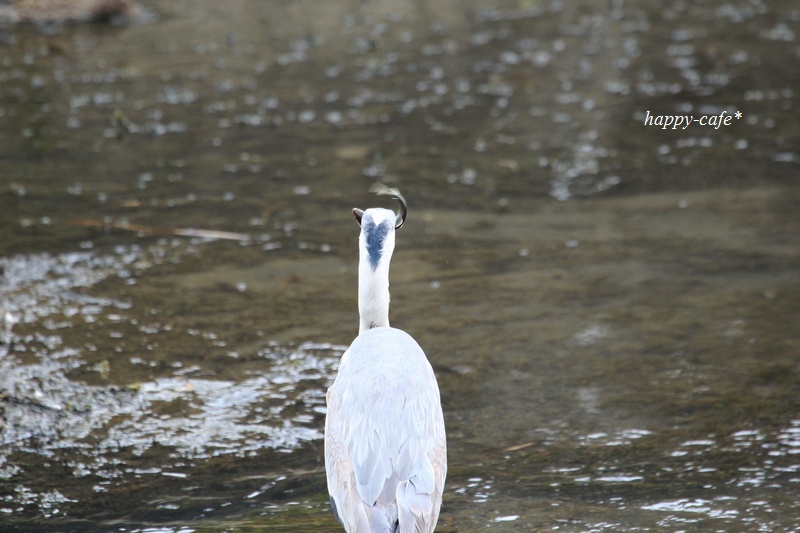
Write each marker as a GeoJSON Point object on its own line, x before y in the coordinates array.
{"type": "Point", "coordinates": [374, 237]}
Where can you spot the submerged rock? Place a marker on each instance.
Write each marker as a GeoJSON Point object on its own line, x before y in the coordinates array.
{"type": "Point", "coordinates": [69, 11]}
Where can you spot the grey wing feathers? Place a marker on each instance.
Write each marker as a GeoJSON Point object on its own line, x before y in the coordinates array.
{"type": "Point", "coordinates": [384, 438]}
{"type": "Point", "coordinates": [372, 466]}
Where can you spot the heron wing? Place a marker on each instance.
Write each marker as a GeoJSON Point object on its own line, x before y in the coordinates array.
{"type": "Point", "coordinates": [372, 464]}
{"type": "Point", "coordinates": [420, 498]}
{"type": "Point", "coordinates": [385, 425]}
{"type": "Point", "coordinates": [339, 468]}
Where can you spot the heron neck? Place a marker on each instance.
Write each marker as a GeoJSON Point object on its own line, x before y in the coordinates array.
{"type": "Point", "coordinates": [373, 295]}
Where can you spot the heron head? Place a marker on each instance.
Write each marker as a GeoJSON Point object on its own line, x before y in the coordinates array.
{"type": "Point", "coordinates": [378, 226]}
{"type": "Point", "coordinates": [377, 233]}
{"type": "Point", "coordinates": [380, 188]}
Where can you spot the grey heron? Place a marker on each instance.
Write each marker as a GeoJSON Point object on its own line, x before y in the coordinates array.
{"type": "Point", "coordinates": [385, 444]}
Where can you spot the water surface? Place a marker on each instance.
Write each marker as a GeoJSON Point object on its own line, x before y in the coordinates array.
{"type": "Point", "coordinates": [611, 308]}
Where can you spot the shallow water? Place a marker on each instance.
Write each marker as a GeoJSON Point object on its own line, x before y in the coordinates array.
{"type": "Point", "coordinates": [611, 308]}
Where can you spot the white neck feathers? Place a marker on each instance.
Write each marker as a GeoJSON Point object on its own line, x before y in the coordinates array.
{"type": "Point", "coordinates": [376, 244]}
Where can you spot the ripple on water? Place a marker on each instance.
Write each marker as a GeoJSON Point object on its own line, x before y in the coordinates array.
{"type": "Point", "coordinates": [710, 508]}
{"type": "Point", "coordinates": [34, 286]}
{"type": "Point", "coordinates": [226, 417]}
{"type": "Point", "coordinates": [765, 478]}
{"type": "Point", "coordinates": [94, 430]}
{"type": "Point", "coordinates": [479, 490]}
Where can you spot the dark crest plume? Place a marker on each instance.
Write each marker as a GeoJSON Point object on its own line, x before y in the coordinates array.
{"type": "Point", "coordinates": [381, 189]}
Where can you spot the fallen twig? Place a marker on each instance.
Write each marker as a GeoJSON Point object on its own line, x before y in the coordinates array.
{"type": "Point", "coordinates": [519, 447]}
{"type": "Point", "coordinates": [182, 232]}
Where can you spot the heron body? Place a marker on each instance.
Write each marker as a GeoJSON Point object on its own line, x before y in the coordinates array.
{"type": "Point", "coordinates": [385, 444]}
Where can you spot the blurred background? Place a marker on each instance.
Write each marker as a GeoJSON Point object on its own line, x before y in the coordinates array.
{"type": "Point", "coordinates": [612, 309]}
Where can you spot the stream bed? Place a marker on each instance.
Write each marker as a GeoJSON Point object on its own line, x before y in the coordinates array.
{"type": "Point", "coordinates": [611, 306]}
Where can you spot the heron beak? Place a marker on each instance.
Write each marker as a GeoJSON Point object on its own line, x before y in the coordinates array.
{"type": "Point", "coordinates": [358, 213]}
